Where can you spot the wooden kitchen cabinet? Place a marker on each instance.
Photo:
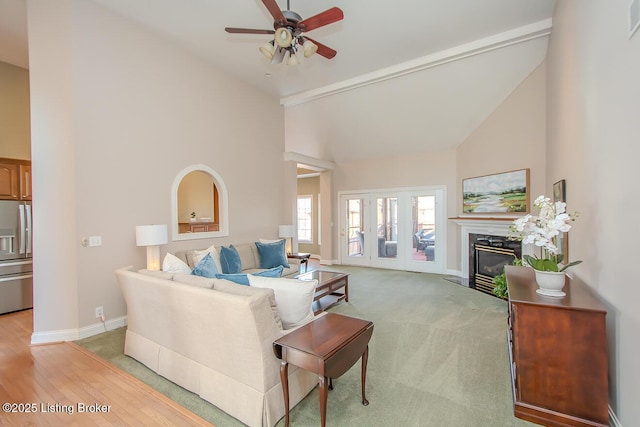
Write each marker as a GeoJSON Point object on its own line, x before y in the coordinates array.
{"type": "Point", "coordinates": [9, 181]}
{"type": "Point", "coordinates": [25, 181]}
{"type": "Point", "coordinates": [15, 179]}
{"type": "Point", "coordinates": [197, 227]}
{"type": "Point", "coordinates": [558, 353]}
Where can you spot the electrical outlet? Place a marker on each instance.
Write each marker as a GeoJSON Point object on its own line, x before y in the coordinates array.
{"type": "Point", "coordinates": [99, 312]}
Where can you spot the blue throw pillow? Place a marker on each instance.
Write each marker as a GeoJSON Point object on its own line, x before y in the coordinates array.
{"type": "Point", "coordinates": [272, 272]}
{"type": "Point", "coordinates": [230, 260]}
{"type": "Point", "coordinates": [206, 268]}
{"type": "Point", "coordinates": [242, 279]}
{"type": "Point", "coordinates": [272, 254]}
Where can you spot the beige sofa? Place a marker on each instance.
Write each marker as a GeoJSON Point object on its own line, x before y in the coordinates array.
{"type": "Point", "coordinates": [250, 258]}
{"type": "Point", "coordinates": [212, 337]}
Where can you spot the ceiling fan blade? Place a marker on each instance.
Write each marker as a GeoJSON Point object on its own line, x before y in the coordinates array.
{"type": "Point", "coordinates": [327, 17]}
{"type": "Point", "coordinates": [247, 31]}
{"type": "Point", "coordinates": [274, 10]}
{"type": "Point", "coordinates": [323, 50]}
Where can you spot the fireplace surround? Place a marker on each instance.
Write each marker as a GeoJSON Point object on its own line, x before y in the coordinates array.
{"type": "Point", "coordinates": [483, 226]}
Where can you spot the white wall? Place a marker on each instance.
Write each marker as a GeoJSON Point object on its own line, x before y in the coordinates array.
{"type": "Point", "coordinates": [512, 137]}
{"type": "Point", "coordinates": [117, 114]}
{"type": "Point", "coordinates": [593, 128]}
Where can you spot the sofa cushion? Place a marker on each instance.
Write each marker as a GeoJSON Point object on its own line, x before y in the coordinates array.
{"type": "Point", "coordinates": [294, 298]}
{"type": "Point", "coordinates": [249, 257]}
{"type": "Point", "coordinates": [272, 254]}
{"type": "Point", "coordinates": [206, 267]}
{"type": "Point", "coordinates": [190, 279]}
{"type": "Point", "coordinates": [229, 287]}
{"type": "Point", "coordinates": [242, 278]}
{"type": "Point", "coordinates": [230, 260]}
{"type": "Point", "coordinates": [269, 240]}
{"type": "Point", "coordinates": [197, 256]}
{"type": "Point", "coordinates": [159, 274]}
{"type": "Point", "coordinates": [173, 264]}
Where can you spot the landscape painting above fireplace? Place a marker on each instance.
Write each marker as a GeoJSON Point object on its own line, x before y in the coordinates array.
{"type": "Point", "coordinates": [505, 192]}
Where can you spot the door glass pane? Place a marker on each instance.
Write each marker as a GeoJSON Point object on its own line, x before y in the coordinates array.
{"type": "Point", "coordinates": [424, 227]}
{"type": "Point", "coordinates": [355, 232]}
{"type": "Point", "coordinates": [387, 226]}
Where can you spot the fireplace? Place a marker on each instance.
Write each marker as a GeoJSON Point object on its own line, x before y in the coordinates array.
{"type": "Point", "coordinates": [488, 255]}
{"type": "Point", "coordinates": [489, 230]}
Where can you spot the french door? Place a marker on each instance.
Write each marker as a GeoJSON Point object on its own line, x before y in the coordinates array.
{"type": "Point", "coordinates": [399, 229]}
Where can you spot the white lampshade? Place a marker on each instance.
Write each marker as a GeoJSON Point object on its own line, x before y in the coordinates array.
{"type": "Point", "coordinates": [283, 37]}
{"type": "Point", "coordinates": [152, 236]}
{"type": "Point", "coordinates": [309, 48]}
{"type": "Point", "coordinates": [149, 235]}
{"type": "Point", "coordinates": [293, 59]}
{"type": "Point", "coordinates": [286, 231]}
{"type": "Point", "coordinates": [268, 49]}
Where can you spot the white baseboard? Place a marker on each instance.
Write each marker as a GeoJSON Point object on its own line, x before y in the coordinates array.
{"type": "Point", "coordinates": [457, 273]}
{"type": "Point", "coordinates": [49, 337]}
{"type": "Point", "coordinates": [326, 261]}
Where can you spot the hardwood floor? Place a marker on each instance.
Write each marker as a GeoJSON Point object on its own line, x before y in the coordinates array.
{"type": "Point", "coordinates": [63, 384]}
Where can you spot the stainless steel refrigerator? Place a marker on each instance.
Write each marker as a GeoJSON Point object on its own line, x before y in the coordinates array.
{"type": "Point", "coordinates": [16, 264]}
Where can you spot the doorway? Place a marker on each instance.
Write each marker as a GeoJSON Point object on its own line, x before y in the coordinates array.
{"type": "Point", "coordinates": [396, 229]}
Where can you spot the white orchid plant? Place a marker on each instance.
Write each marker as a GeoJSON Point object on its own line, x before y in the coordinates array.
{"type": "Point", "coordinates": [542, 230]}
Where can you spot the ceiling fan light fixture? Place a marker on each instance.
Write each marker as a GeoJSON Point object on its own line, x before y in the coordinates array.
{"type": "Point", "coordinates": [283, 37]}
{"type": "Point", "coordinates": [309, 48]}
{"type": "Point", "coordinates": [293, 59]}
{"type": "Point", "coordinates": [268, 49]}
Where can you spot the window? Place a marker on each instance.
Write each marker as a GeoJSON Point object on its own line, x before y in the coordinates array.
{"type": "Point", "coordinates": [305, 219]}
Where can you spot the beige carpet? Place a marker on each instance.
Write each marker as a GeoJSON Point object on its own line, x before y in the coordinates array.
{"type": "Point", "coordinates": [438, 357]}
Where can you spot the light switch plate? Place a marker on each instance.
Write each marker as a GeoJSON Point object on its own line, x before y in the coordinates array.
{"type": "Point", "coordinates": [95, 241]}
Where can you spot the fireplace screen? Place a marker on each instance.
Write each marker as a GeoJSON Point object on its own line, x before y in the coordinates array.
{"type": "Point", "coordinates": [490, 262]}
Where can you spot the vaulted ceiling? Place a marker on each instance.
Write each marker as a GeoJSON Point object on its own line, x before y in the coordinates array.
{"type": "Point", "coordinates": [458, 58]}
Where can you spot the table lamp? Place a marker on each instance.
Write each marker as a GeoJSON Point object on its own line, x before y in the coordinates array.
{"type": "Point", "coordinates": [152, 236]}
{"type": "Point", "coordinates": [287, 231]}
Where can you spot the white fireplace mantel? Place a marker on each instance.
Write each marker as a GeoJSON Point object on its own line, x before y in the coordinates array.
{"type": "Point", "coordinates": [482, 225]}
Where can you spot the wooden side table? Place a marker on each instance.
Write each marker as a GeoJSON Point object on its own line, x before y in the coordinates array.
{"type": "Point", "coordinates": [328, 346]}
{"type": "Point", "coordinates": [303, 257]}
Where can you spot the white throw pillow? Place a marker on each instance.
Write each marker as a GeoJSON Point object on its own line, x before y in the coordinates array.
{"type": "Point", "coordinates": [173, 264]}
{"type": "Point", "coordinates": [198, 255]}
{"type": "Point", "coordinates": [294, 298]}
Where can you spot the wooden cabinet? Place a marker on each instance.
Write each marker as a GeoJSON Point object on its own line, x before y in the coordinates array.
{"type": "Point", "coordinates": [197, 227]}
{"type": "Point", "coordinates": [15, 179]}
{"type": "Point", "coordinates": [9, 181]}
{"type": "Point", "coordinates": [25, 182]}
{"type": "Point", "coordinates": [558, 353]}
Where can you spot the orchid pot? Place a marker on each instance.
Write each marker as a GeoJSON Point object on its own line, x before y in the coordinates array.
{"type": "Point", "coordinates": [542, 230]}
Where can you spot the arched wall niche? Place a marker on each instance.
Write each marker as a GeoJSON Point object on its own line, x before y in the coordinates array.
{"type": "Point", "coordinates": [199, 189]}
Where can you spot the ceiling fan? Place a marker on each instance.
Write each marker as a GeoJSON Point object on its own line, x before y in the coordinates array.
{"type": "Point", "coordinates": [288, 33]}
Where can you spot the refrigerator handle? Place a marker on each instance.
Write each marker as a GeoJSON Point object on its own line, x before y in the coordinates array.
{"type": "Point", "coordinates": [29, 234]}
{"type": "Point", "coordinates": [22, 230]}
